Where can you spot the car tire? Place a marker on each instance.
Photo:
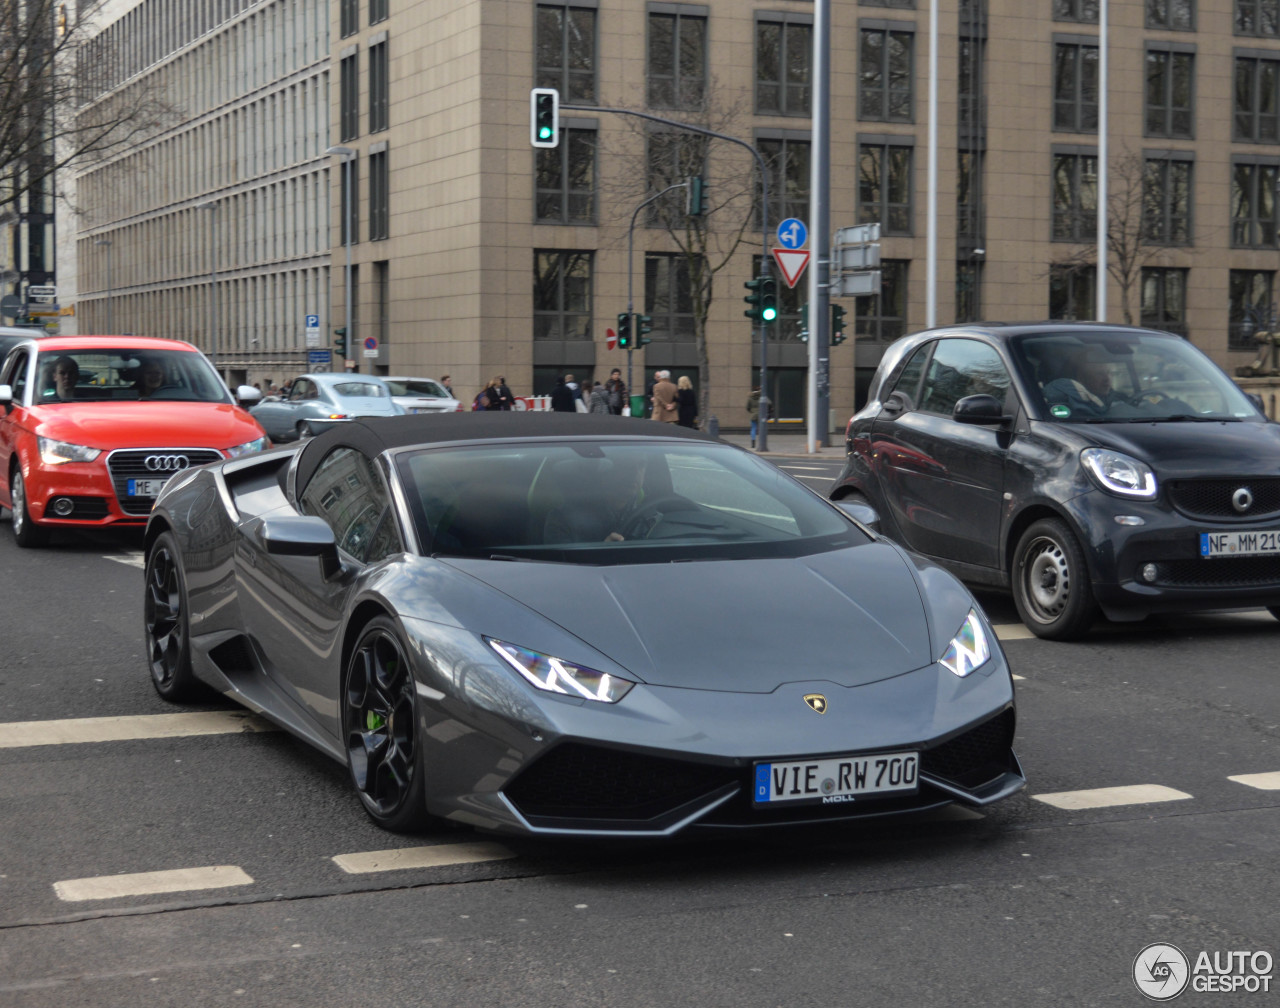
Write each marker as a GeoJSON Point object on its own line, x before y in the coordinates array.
{"type": "Point", "coordinates": [26, 533]}
{"type": "Point", "coordinates": [1050, 581]}
{"type": "Point", "coordinates": [166, 622]}
{"type": "Point", "coordinates": [380, 729]}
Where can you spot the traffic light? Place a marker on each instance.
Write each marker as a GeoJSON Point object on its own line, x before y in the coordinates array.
{"type": "Point", "coordinates": [544, 117]}
{"type": "Point", "coordinates": [768, 299]}
{"type": "Point", "coordinates": [837, 325]}
{"type": "Point", "coordinates": [340, 341]}
{"type": "Point", "coordinates": [695, 196]}
{"type": "Point", "coordinates": [624, 331]}
{"type": "Point", "coordinates": [755, 298]}
{"type": "Point", "coordinates": [643, 328]}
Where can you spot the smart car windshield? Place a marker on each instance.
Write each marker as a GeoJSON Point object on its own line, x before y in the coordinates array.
{"type": "Point", "coordinates": [126, 375]}
{"type": "Point", "coordinates": [602, 502]}
{"type": "Point", "coordinates": [1114, 377]}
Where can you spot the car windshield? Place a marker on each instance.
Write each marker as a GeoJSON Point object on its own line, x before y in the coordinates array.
{"type": "Point", "coordinates": [423, 387]}
{"type": "Point", "coordinates": [611, 502]}
{"type": "Point", "coordinates": [1114, 377]}
{"type": "Point", "coordinates": [128, 375]}
{"type": "Point", "coordinates": [360, 390]}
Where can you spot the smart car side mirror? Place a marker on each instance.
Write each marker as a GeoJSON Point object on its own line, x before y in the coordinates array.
{"type": "Point", "coordinates": [979, 409]}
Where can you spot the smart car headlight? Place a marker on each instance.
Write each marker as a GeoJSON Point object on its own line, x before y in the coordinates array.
{"type": "Point", "coordinates": [968, 649]}
{"type": "Point", "coordinates": [256, 445]}
{"type": "Point", "coordinates": [58, 452]}
{"type": "Point", "coordinates": [556, 676]}
{"type": "Point", "coordinates": [1119, 474]}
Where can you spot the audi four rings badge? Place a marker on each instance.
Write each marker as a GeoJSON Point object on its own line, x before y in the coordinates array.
{"type": "Point", "coordinates": [166, 463]}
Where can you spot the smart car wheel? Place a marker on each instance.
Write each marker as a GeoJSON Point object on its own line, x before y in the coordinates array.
{"type": "Point", "coordinates": [380, 730]}
{"type": "Point", "coordinates": [1050, 581]}
{"type": "Point", "coordinates": [26, 533]}
{"type": "Point", "coordinates": [166, 622]}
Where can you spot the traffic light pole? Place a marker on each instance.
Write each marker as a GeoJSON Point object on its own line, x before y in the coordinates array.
{"type": "Point", "coordinates": [631, 308]}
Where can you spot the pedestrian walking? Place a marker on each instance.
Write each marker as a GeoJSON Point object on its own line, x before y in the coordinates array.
{"type": "Point", "coordinates": [664, 398]}
{"type": "Point", "coordinates": [617, 390]}
{"type": "Point", "coordinates": [686, 402]}
{"type": "Point", "coordinates": [598, 399]}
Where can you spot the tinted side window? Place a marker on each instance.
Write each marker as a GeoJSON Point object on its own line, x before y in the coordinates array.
{"type": "Point", "coordinates": [348, 492]}
{"type": "Point", "coordinates": [16, 375]}
{"type": "Point", "coordinates": [908, 383]}
{"type": "Point", "coordinates": [960, 368]}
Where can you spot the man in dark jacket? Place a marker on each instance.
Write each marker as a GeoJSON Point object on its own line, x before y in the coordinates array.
{"type": "Point", "coordinates": [616, 389]}
{"type": "Point", "coordinates": [562, 398]}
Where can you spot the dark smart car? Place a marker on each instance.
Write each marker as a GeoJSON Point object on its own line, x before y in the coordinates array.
{"type": "Point", "coordinates": [1087, 468]}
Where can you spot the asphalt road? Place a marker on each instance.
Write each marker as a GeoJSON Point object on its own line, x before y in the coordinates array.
{"type": "Point", "coordinates": [291, 897]}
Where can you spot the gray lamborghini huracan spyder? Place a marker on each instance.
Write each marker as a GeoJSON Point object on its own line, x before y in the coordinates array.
{"type": "Point", "coordinates": [575, 625]}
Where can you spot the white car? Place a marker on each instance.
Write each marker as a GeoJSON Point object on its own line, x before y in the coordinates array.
{"type": "Point", "coordinates": [422, 395]}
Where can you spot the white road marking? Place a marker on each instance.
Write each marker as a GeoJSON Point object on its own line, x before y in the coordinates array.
{"type": "Point", "coordinates": [810, 468]}
{"type": "Point", "coordinates": [17, 734]}
{"type": "Point", "coordinates": [132, 560]}
{"type": "Point", "coordinates": [1132, 794]}
{"type": "Point", "coordinates": [421, 857]}
{"type": "Point", "coordinates": [1262, 781]}
{"type": "Point", "coordinates": [1016, 676]}
{"type": "Point", "coordinates": [151, 883]}
{"type": "Point", "coordinates": [1013, 631]}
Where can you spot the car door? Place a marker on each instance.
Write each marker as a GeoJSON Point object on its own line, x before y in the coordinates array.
{"type": "Point", "coordinates": [13, 420]}
{"type": "Point", "coordinates": [942, 480]}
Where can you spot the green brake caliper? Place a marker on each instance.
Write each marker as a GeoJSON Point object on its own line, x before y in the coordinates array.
{"type": "Point", "coordinates": [373, 720]}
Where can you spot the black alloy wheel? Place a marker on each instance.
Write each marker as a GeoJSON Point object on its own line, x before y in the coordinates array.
{"type": "Point", "coordinates": [380, 729]}
{"type": "Point", "coordinates": [1050, 580]}
{"type": "Point", "coordinates": [26, 533]}
{"type": "Point", "coordinates": [166, 622]}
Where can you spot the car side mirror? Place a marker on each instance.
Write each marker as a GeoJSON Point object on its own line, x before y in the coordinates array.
{"type": "Point", "coordinates": [247, 395]}
{"type": "Point", "coordinates": [979, 409]}
{"type": "Point", "coordinates": [895, 403]}
{"type": "Point", "coordinates": [301, 535]}
{"type": "Point", "coordinates": [861, 512]}
{"type": "Point", "coordinates": [6, 397]}
{"type": "Point", "coordinates": [1253, 397]}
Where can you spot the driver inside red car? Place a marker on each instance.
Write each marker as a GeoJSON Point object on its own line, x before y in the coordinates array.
{"type": "Point", "coordinates": [62, 379]}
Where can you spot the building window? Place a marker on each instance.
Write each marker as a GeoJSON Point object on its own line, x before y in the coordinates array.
{"type": "Point", "coordinates": [1251, 307]}
{"type": "Point", "coordinates": [379, 10]}
{"type": "Point", "coordinates": [1258, 17]}
{"type": "Point", "coordinates": [379, 88]}
{"type": "Point", "coordinates": [1170, 83]}
{"type": "Point", "coordinates": [784, 54]}
{"type": "Point", "coordinates": [348, 17]}
{"type": "Point", "coordinates": [1075, 197]}
{"type": "Point", "coordinates": [566, 43]}
{"type": "Point", "coordinates": [968, 291]}
{"type": "Point", "coordinates": [970, 224]}
{"type": "Point", "coordinates": [1075, 87]}
{"type": "Point", "coordinates": [1164, 299]}
{"type": "Point", "coordinates": [787, 161]}
{"type": "Point", "coordinates": [884, 88]}
{"type": "Point", "coordinates": [1174, 15]}
{"type": "Point", "coordinates": [668, 297]}
{"type": "Point", "coordinates": [677, 60]}
{"type": "Point", "coordinates": [379, 196]}
{"type": "Point", "coordinates": [350, 203]}
{"type": "Point", "coordinates": [566, 179]}
{"type": "Point", "coordinates": [905, 4]}
{"type": "Point", "coordinates": [1253, 204]}
{"type": "Point", "coordinates": [669, 158]}
{"type": "Point", "coordinates": [1072, 297]}
{"type": "Point", "coordinates": [884, 187]}
{"type": "Point", "coordinates": [348, 98]}
{"type": "Point", "coordinates": [1257, 98]}
{"type": "Point", "coordinates": [562, 295]}
{"type": "Point", "coordinates": [883, 316]}
{"type": "Point", "coordinates": [1166, 201]}
{"type": "Point", "coordinates": [1085, 11]}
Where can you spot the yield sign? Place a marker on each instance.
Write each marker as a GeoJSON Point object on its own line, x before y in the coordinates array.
{"type": "Point", "coordinates": [792, 263]}
{"type": "Point", "coordinates": [611, 339]}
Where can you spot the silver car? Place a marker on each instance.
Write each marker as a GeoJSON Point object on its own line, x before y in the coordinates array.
{"type": "Point", "coordinates": [318, 402]}
{"type": "Point", "coordinates": [422, 395]}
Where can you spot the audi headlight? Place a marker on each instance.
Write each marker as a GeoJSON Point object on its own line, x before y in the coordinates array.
{"type": "Point", "coordinates": [1119, 474]}
{"type": "Point", "coordinates": [249, 447]}
{"type": "Point", "coordinates": [58, 452]}
{"type": "Point", "coordinates": [556, 676]}
{"type": "Point", "coordinates": [968, 649]}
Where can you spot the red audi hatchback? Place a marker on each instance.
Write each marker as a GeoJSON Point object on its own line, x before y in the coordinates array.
{"type": "Point", "coordinates": [93, 427]}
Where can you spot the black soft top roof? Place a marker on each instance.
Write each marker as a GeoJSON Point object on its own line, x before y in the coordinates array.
{"type": "Point", "coordinates": [374, 435]}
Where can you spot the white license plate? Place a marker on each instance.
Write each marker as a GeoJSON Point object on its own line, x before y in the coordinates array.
{"type": "Point", "coordinates": [1220, 544]}
{"type": "Point", "coordinates": [146, 487]}
{"type": "Point", "coordinates": [839, 779]}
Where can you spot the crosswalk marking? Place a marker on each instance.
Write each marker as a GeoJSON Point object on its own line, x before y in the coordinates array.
{"type": "Point", "coordinates": [151, 883]}
{"type": "Point", "coordinates": [1132, 794]}
{"type": "Point", "coordinates": [421, 857]}
{"type": "Point", "coordinates": [1262, 781]}
{"type": "Point", "coordinates": [17, 734]}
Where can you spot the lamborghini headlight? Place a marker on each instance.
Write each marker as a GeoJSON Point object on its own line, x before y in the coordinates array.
{"type": "Point", "coordinates": [57, 452]}
{"type": "Point", "coordinates": [249, 447]}
{"type": "Point", "coordinates": [968, 649]}
{"type": "Point", "coordinates": [556, 676]}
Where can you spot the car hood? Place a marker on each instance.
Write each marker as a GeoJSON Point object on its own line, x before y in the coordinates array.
{"type": "Point", "coordinates": [851, 617]}
{"type": "Point", "coordinates": [1181, 448]}
{"type": "Point", "coordinates": [109, 425]}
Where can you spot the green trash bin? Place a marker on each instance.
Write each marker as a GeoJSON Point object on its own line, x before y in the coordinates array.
{"type": "Point", "coordinates": [637, 405]}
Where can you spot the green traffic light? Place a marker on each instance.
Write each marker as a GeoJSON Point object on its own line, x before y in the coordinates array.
{"type": "Point", "coordinates": [768, 313]}
{"type": "Point", "coordinates": [544, 133]}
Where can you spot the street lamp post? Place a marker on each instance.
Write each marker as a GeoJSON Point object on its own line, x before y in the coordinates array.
{"type": "Point", "coordinates": [212, 207]}
{"type": "Point", "coordinates": [348, 164]}
{"type": "Point", "coordinates": [107, 243]}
